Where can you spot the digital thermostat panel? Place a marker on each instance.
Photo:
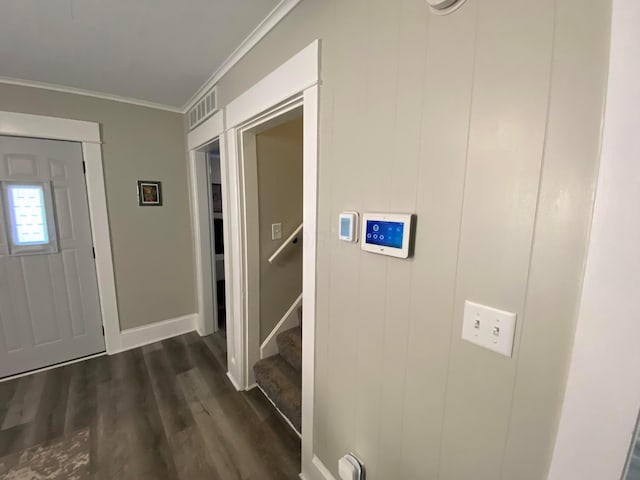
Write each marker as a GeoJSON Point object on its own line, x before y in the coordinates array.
{"type": "Point", "coordinates": [348, 227]}
{"type": "Point", "coordinates": [386, 233]}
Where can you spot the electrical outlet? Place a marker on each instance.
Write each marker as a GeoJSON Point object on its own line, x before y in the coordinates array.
{"type": "Point", "coordinates": [489, 327]}
{"type": "Point", "coordinates": [276, 231]}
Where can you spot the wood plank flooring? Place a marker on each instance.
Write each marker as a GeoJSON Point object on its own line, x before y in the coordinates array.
{"type": "Point", "coordinates": [164, 411]}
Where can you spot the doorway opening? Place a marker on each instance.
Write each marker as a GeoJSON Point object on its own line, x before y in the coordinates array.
{"type": "Point", "coordinates": [216, 224]}
{"type": "Point", "coordinates": [272, 164]}
{"type": "Point", "coordinates": [291, 87]}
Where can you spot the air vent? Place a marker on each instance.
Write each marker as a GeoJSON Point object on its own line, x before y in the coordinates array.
{"type": "Point", "coordinates": [204, 108]}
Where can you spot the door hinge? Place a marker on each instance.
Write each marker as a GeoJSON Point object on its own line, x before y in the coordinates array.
{"type": "Point", "coordinates": [103, 330]}
{"type": "Point", "coordinates": [93, 251]}
{"type": "Point", "coordinates": [84, 167]}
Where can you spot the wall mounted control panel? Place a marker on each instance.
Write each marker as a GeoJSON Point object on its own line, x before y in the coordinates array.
{"type": "Point", "coordinates": [348, 226]}
{"type": "Point", "coordinates": [387, 233]}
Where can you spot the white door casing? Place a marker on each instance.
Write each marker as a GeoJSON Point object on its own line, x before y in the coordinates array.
{"type": "Point", "coordinates": [88, 135]}
{"type": "Point", "coordinates": [49, 307]}
{"type": "Point", "coordinates": [295, 80]}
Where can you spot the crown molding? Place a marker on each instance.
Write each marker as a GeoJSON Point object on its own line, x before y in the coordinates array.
{"type": "Point", "coordinates": [88, 93]}
{"type": "Point", "coordinates": [275, 16]}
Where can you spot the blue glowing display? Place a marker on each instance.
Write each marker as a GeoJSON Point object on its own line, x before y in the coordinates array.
{"type": "Point", "coordinates": [385, 234]}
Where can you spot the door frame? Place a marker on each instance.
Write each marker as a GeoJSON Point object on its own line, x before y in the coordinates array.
{"type": "Point", "coordinates": [245, 154]}
{"type": "Point", "coordinates": [295, 80]}
{"type": "Point", "coordinates": [198, 139]}
{"type": "Point", "coordinates": [88, 135]}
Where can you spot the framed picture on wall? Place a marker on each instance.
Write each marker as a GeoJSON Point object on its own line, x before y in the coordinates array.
{"type": "Point", "coordinates": [216, 197]}
{"type": "Point", "coordinates": [149, 193]}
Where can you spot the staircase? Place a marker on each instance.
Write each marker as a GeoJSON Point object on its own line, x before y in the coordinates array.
{"type": "Point", "coordinates": [280, 376]}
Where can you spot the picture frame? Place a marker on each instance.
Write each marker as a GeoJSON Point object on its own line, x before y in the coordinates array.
{"type": "Point", "coordinates": [216, 197]}
{"type": "Point", "coordinates": [149, 193]}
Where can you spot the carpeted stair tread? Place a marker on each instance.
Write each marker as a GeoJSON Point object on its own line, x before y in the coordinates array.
{"type": "Point", "coordinates": [282, 384]}
{"type": "Point", "coordinates": [290, 347]}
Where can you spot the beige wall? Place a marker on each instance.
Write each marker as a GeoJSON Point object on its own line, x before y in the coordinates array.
{"type": "Point", "coordinates": [279, 153]}
{"type": "Point", "coordinates": [486, 124]}
{"type": "Point", "coordinates": [152, 249]}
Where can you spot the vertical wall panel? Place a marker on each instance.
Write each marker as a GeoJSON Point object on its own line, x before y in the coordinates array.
{"type": "Point", "coordinates": [560, 241]}
{"type": "Point", "coordinates": [444, 133]}
{"type": "Point", "coordinates": [403, 154]}
{"type": "Point", "coordinates": [336, 417]}
{"type": "Point", "coordinates": [511, 82]}
{"type": "Point", "coordinates": [381, 123]}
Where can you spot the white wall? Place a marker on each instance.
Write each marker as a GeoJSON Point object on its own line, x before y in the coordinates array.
{"type": "Point", "coordinates": [603, 392]}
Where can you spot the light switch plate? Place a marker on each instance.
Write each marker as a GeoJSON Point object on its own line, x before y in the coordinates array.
{"type": "Point", "coordinates": [276, 231]}
{"type": "Point", "coordinates": [489, 327]}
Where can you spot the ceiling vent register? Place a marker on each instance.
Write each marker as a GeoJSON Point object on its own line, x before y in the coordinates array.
{"type": "Point", "coordinates": [204, 108]}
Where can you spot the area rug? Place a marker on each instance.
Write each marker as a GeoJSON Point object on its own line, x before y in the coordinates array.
{"type": "Point", "coordinates": [63, 459]}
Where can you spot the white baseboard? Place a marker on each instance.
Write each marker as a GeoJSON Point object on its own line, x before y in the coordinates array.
{"type": "Point", "coordinates": [140, 336]}
{"type": "Point", "coordinates": [233, 381]}
{"type": "Point", "coordinates": [289, 320]}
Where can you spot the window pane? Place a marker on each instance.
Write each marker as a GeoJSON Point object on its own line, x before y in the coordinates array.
{"type": "Point", "coordinates": [28, 215]}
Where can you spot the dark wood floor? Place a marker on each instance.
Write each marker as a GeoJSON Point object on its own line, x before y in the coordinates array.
{"type": "Point", "coordinates": [164, 411]}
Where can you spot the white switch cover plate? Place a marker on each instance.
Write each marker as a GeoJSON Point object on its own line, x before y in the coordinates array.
{"type": "Point", "coordinates": [489, 327]}
{"type": "Point", "coordinates": [276, 231]}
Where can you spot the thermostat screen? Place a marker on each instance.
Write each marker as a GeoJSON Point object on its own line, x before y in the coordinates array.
{"type": "Point", "coordinates": [345, 227]}
{"type": "Point", "coordinates": [385, 234]}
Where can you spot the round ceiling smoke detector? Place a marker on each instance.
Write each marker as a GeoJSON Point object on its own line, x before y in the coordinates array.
{"type": "Point", "coordinates": [444, 7]}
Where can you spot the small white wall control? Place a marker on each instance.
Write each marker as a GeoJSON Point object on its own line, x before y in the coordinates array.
{"type": "Point", "coordinates": [348, 226]}
{"type": "Point", "coordinates": [489, 327]}
{"type": "Point", "coordinates": [444, 7]}
{"type": "Point", "coordinates": [387, 233]}
{"type": "Point", "coordinates": [276, 231]}
{"type": "Point", "coordinates": [350, 468]}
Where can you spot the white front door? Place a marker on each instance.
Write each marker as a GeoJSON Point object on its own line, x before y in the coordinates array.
{"type": "Point", "coordinates": [49, 305]}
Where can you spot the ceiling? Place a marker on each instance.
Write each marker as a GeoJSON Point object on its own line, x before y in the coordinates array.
{"type": "Point", "coordinates": [158, 51]}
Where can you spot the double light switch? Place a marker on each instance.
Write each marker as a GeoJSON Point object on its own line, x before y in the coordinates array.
{"type": "Point", "coordinates": [489, 327]}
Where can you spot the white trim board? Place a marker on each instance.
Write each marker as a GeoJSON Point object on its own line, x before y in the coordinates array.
{"type": "Point", "coordinates": [53, 128]}
{"type": "Point", "coordinates": [88, 93]}
{"type": "Point", "coordinates": [275, 16]}
{"type": "Point", "coordinates": [87, 133]}
{"type": "Point", "coordinates": [155, 332]}
{"type": "Point", "coordinates": [311, 107]}
{"type": "Point", "coordinates": [233, 382]}
{"type": "Point", "coordinates": [289, 320]}
{"type": "Point", "coordinates": [602, 396]}
{"type": "Point", "coordinates": [292, 78]}
{"type": "Point", "coordinates": [206, 132]}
